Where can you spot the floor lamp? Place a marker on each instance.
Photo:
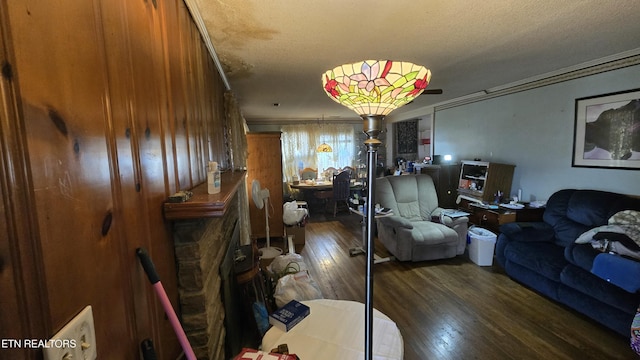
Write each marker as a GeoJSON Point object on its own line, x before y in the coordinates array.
{"type": "Point", "coordinates": [374, 88]}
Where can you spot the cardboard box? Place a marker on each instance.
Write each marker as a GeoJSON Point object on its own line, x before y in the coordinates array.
{"type": "Point", "coordinates": [298, 234]}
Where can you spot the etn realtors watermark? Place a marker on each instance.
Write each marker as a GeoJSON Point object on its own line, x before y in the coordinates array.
{"type": "Point", "coordinates": [37, 343]}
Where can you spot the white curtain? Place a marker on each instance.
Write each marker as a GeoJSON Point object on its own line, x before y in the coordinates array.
{"type": "Point", "coordinates": [299, 144]}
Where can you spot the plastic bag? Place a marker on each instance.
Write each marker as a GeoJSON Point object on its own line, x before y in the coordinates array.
{"type": "Point", "coordinates": [292, 214]}
{"type": "Point", "coordinates": [299, 286]}
{"type": "Point", "coordinates": [290, 263]}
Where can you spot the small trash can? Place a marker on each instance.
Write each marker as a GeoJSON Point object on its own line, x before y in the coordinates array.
{"type": "Point", "coordinates": [481, 246]}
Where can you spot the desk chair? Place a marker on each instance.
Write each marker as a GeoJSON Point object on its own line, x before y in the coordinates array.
{"type": "Point", "coordinates": [341, 191]}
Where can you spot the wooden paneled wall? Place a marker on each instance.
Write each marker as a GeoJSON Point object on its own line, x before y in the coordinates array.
{"type": "Point", "coordinates": [107, 108]}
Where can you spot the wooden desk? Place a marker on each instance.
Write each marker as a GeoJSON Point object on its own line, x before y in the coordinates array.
{"type": "Point", "coordinates": [491, 219]}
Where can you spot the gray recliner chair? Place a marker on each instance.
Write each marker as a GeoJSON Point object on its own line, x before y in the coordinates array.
{"type": "Point", "coordinates": [410, 234]}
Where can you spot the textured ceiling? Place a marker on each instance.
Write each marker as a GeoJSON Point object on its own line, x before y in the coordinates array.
{"type": "Point", "coordinates": [275, 51]}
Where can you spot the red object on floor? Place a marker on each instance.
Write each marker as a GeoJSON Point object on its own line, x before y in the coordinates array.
{"type": "Point", "coordinates": [252, 354]}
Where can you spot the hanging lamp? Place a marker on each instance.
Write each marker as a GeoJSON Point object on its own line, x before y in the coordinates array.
{"type": "Point", "coordinates": [324, 147]}
{"type": "Point", "coordinates": [374, 88]}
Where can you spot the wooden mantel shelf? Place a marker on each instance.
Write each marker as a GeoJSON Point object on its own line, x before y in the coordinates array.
{"type": "Point", "coordinates": [204, 205]}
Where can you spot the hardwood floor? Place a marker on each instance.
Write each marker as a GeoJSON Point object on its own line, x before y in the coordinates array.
{"type": "Point", "coordinates": [454, 309]}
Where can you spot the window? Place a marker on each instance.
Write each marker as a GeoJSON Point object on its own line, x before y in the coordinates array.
{"type": "Point", "coordinates": [299, 143]}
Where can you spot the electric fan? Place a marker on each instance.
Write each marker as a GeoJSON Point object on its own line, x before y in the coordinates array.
{"type": "Point", "coordinates": [261, 199]}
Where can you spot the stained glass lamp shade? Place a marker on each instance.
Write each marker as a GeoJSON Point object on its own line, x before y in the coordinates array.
{"type": "Point", "coordinates": [374, 88]}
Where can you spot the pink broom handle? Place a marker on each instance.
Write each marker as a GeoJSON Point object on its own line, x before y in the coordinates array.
{"type": "Point", "coordinates": [150, 269]}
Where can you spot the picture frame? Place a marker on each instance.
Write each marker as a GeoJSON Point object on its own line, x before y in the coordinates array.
{"type": "Point", "coordinates": [407, 137]}
{"type": "Point", "coordinates": [607, 131]}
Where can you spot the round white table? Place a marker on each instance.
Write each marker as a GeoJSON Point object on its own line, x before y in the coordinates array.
{"type": "Point", "coordinates": [335, 330]}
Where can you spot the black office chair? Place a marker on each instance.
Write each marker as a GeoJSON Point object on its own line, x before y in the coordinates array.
{"type": "Point", "coordinates": [341, 191]}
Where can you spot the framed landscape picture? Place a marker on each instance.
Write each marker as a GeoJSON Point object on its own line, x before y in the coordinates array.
{"type": "Point", "coordinates": [607, 131]}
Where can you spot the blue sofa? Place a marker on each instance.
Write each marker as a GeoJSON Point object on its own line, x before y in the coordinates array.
{"type": "Point", "coordinates": [545, 257]}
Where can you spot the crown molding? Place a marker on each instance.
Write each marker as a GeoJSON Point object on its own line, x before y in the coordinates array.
{"type": "Point", "coordinates": [202, 29]}
{"type": "Point", "coordinates": [613, 62]}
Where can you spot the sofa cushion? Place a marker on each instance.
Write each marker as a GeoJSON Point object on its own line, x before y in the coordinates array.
{"type": "Point", "coordinates": [547, 259]}
{"type": "Point", "coordinates": [567, 231]}
{"type": "Point", "coordinates": [581, 255]}
{"type": "Point", "coordinates": [590, 285]}
{"type": "Point", "coordinates": [601, 312]}
{"type": "Point", "coordinates": [430, 233]}
{"type": "Point", "coordinates": [533, 280]}
{"type": "Point", "coordinates": [555, 214]}
{"type": "Point", "coordinates": [409, 210]}
{"type": "Point", "coordinates": [581, 207]}
{"type": "Point", "coordinates": [527, 231]}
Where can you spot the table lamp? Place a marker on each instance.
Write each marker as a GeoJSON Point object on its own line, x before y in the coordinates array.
{"type": "Point", "coordinates": [374, 88]}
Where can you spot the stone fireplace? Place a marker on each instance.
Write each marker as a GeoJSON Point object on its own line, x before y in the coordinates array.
{"type": "Point", "coordinates": [207, 229]}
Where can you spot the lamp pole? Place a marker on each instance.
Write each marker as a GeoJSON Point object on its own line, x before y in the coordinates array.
{"type": "Point", "coordinates": [373, 88]}
{"type": "Point", "coordinates": [372, 126]}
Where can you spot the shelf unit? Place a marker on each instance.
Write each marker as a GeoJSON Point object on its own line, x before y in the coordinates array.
{"type": "Point", "coordinates": [481, 180]}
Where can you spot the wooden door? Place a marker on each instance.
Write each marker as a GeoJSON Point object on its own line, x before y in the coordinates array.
{"type": "Point", "coordinates": [264, 163]}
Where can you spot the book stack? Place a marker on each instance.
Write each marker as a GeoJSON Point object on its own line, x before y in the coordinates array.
{"type": "Point", "coordinates": [454, 213]}
{"type": "Point", "coordinates": [289, 315]}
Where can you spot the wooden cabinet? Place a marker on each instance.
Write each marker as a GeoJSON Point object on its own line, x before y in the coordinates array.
{"type": "Point", "coordinates": [445, 179]}
{"type": "Point", "coordinates": [264, 163]}
{"type": "Point", "coordinates": [481, 180]}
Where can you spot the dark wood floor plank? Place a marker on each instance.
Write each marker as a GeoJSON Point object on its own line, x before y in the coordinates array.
{"type": "Point", "coordinates": [454, 309]}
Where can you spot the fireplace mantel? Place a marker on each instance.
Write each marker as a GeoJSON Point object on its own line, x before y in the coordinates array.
{"type": "Point", "coordinates": [203, 234]}
{"type": "Point", "coordinates": [204, 205]}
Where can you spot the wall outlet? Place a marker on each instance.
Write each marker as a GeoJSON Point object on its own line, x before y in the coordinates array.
{"type": "Point", "coordinates": [76, 340]}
